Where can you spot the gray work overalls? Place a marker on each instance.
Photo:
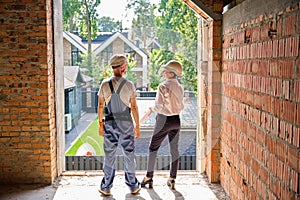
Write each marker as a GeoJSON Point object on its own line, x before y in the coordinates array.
{"type": "Point", "coordinates": [118, 128]}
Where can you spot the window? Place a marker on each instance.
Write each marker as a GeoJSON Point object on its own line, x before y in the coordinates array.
{"type": "Point", "coordinates": [75, 56]}
{"type": "Point", "coordinates": [106, 54]}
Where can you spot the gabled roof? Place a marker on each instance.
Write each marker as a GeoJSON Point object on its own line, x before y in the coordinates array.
{"type": "Point", "coordinates": [73, 74]}
{"type": "Point", "coordinates": [106, 43]}
{"type": "Point", "coordinates": [154, 42]}
{"type": "Point", "coordinates": [75, 40]}
{"type": "Point", "coordinates": [100, 38]}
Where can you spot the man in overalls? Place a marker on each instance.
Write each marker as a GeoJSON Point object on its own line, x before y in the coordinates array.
{"type": "Point", "coordinates": [116, 104]}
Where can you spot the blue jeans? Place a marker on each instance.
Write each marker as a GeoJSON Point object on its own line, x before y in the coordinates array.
{"type": "Point", "coordinates": [119, 132]}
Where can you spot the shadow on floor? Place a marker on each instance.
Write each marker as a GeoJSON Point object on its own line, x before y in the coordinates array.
{"type": "Point", "coordinates": [81, 185]}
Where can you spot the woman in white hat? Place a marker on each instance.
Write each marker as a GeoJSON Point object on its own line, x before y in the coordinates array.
{"type": "Point", "coordinates": [117, 127]}
{"type": "Point", "coordinates": [168, 105]}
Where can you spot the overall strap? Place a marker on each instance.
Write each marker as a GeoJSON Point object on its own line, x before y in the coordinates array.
{"type": "Point", "coordinates": [120, 86]}
{"type": "Point", "coordinates": [111, 86]}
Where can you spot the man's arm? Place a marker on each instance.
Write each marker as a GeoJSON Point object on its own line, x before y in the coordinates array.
{"type": "Point", "coordinates": [135, 113]}
{"type": "Point", "coordinates": [101, 102]}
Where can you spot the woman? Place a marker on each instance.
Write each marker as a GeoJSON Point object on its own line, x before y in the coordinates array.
{"type": "Point", "coordinates": [119, 96]}
{"type": "Point", "coordinates": [168, 105]}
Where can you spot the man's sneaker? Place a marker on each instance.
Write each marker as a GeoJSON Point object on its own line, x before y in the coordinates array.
{"type": "Point", "coordinates": [105, 192]}
{"type": "Point", "coordinates": [136, 190]}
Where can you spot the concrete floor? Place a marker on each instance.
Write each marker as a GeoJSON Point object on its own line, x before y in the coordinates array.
{"type": "Point", "coordinates": [84, 186]}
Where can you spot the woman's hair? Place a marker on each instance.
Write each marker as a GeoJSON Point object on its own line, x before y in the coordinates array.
{"type": "Point", "coordinates": [174, 75]}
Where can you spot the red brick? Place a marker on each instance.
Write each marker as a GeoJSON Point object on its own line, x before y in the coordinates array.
{"type": "Point", "coordinates": [264, 52]}
{"type": "Point", "coordinates": [281, 150]}
{"type": "Point", "coordinates": [295, 46]}
{"type": "Point", "coordinates": [288, 47]}
{"type": "Point", "coordinates": [287, 69]}
{"type": "Point", "coordinates": [275, 48]}
{"type": "Point", "coordinates": [289, 111]}
{"type": "Point", "coordinates": [279, 89]}
{"type": "Point", "coordinates": [294, 181]}
{"type": "Point", "coordinates": [290, 25]}
{"type": "Point", "coordinates": [274, 68]}
{"type": "Point", "coordinates": [281, 48]}
{"type": "Point", "coordinates": [277, 103]}
{"type": "Point", "coordinates": [293, 156]}
{"type": "Point", "coordinates": [298, 69]}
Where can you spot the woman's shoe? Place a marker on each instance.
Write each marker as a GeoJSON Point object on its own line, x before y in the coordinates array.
{"type": "Point", "coordinates": [149, 182]}
{"type": "Point", "coordinates": [171, 183]}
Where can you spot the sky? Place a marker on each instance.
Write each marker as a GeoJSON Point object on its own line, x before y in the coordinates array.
{"type": "Point", "coordinates": [117, 9]}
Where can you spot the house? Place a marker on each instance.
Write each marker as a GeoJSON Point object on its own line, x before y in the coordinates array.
{"type": "Point", "coordinates": [73, 46]}
{"type": "Point", "coordinates": [74, 83]}
{"type": "Point", "coordinates": [103, 47]}
{"type": "Point", "coordinates": [153, 44]}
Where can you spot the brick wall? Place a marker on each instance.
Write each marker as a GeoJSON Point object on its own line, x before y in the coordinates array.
{"type": "Point", "coordinates": [67, 53]}
{"type": "Point", "coordinates": [27, 110]}
{"type": "Point", "coordinates": [260, 136]}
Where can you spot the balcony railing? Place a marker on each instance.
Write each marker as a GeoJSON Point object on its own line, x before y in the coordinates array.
{"type": "Point", "coordinates": [96, 162]}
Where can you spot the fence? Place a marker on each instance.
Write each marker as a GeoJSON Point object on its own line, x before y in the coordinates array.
{"type": "Point", "coordinates": [96, 162]}
{"type": "Point", "coordinates": [90, 98]}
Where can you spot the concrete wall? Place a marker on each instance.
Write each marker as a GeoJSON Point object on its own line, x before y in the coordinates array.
{"type": "Point", "coordinates": [27, 93]}
{"type": "Point", "coordinates": [261, 100]}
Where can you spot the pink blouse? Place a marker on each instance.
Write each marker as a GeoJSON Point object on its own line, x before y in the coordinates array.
{"type": "Point", "coordinates": [169, 98]}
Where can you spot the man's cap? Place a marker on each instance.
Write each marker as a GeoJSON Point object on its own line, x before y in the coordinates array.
{"type": "Point", "coordinates": [117, 60]}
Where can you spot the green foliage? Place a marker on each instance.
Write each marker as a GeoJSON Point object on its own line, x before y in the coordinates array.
{"type": "Point", "coordinates": [70, 10]}
{"type": "Point", "coordinates": [176, 27]}
{"type": "Point", "coordinates": [144, 22]}
{"type": "Point", "coordinates": [81, 16]}
{"type": "Point", "coordinates": [103, 73]}
{"type": "Point", "coordinates": [178, 31]}
{"type": "Point", "coordinates": [88, 19]}
{"type": "Point", "coordinates": [130, 74]}
{"type": "Point", "coordinates": [107, 24]}
{"type": "Point", "coordinates": [94, 70]}
{"type": "Point", "coordinates": [189, 77]}
{"type": "Point", "coordinates": [158, 57]}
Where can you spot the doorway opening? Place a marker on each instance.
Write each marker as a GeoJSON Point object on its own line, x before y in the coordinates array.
{"type": "Point", "coordinates": [198, 121]}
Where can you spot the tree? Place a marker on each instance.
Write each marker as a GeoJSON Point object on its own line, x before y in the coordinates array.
{"type": "Point", "coordinates": [144, 23]}
{"type": "Point", "coordinates": [82, 16]}
{"type": "Point", "coordinates": [107, 24]}
{"type": "Point", "coordinates": [70, 9]}
{"type": "Point", "coordinates": [88, 24]}
{"type": "Point", "coordinates": [158, 57]}
{"type": "Point", "coordinates": [178, 30]}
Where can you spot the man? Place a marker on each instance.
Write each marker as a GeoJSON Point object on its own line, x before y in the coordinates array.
{"type": "Point", "coordinates": [116, 103]}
